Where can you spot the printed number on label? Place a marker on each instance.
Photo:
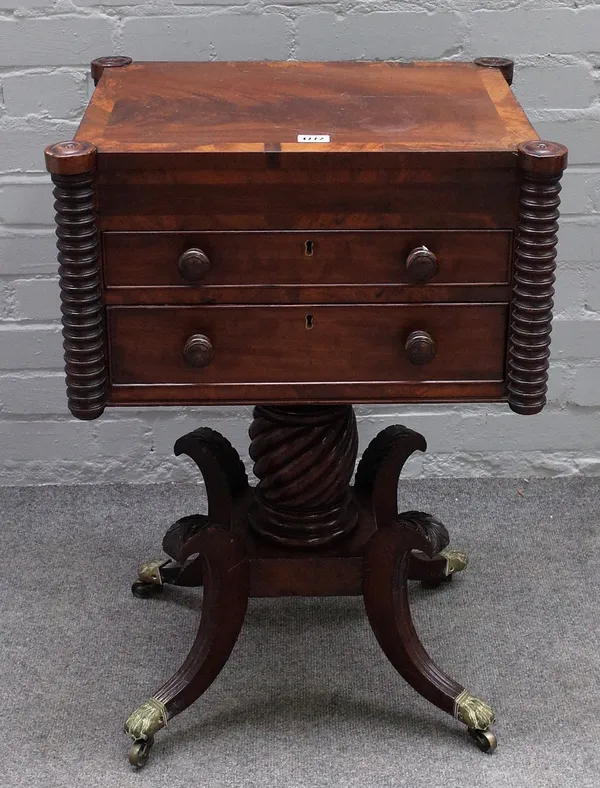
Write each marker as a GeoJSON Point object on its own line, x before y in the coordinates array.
{"type": "Point", "coordinates": [314, 138]}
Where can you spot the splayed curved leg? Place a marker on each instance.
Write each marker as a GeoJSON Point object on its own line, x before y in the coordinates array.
{"type": "Point", "coordinates": [221, 564]}
{"type": "Point", "coordinates": [385, 582]}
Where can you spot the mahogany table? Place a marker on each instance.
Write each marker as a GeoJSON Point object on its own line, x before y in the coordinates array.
{"type": "Point", "coordinates": [304, 236]}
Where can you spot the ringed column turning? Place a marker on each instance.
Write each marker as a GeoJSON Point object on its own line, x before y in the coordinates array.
{"type": "Point", "coordinates": [72, 166]}
{"type": "Point", "coordinates": [542, 165]}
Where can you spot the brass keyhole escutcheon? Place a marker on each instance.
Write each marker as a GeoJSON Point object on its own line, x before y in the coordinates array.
{"type": "Point", "coordinates": [309, 248]}
{"type": "Point", "coordinates": [309, 322]}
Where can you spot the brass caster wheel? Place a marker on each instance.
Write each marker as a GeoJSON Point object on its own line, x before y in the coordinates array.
{"type": "Point", "coordinates": [150, 579]}
{"type": "Point", "coordinates": [143, 590]}
{"type": "Point", "coordinates": [485, 740]}
{"type": "Point", "coordinates": [139, 752]}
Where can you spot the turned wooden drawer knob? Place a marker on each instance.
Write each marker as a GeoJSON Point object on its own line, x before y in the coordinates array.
{"type": "Point", "coordinates": [198, 351]}
{"type": "Point", "coordinates": [420, 347]}
{"type": "Point", "coordinates": [193, 265]}
{"type": "Point", "coordinates": [421, 264]}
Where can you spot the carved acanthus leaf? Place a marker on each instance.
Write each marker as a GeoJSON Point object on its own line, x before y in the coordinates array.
{"type": "Point", "coordinates": [427, 526]}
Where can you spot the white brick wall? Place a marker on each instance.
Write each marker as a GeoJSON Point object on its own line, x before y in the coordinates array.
{"type": "Point", "coordinates": [61, 93]}
{"type": "Point", "coordinates": [45, 50]}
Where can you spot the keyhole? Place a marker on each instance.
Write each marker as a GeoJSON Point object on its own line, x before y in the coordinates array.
{"type": "Point", "coordinates": [309, 248]}
{"type": "Point", "coordinates": [309, 322]}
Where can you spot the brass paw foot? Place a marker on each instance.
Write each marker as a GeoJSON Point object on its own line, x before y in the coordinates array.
{"type": "Point", "coordinates": [150, 580]}
{"type": "Point", "coordinates": [477, 716]}
{"type": "Point", "coordinates": [145, 721]}
{"type": "Point", "coordinates": [455, 561]}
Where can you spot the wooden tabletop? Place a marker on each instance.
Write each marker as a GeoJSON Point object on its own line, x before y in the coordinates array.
{"type": "Point", "coordinates": [251, 107]}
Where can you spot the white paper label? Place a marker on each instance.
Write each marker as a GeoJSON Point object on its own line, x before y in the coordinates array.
{"type": "Point", "coordinates": [314, 138]}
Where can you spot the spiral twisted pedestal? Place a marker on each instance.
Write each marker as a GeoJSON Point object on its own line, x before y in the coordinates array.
{"type": "Point", "coordinates": [542, 164]}
{"type": "Point", "coordinates": [304, 458]}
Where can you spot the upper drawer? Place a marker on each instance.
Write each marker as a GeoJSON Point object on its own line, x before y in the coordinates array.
{"type": "Point", "coordinates": [305, 258]}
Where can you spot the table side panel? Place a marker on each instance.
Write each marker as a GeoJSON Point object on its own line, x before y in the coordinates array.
{"type": "Point", "coordinates": [308, 200]}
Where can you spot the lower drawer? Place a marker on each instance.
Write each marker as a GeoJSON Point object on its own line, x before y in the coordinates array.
{"type": "Point", "coordinates": [343, 348]}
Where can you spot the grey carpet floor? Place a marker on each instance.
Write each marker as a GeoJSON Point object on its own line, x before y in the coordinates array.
{"type": "Point", "coordinates": [307, 699]}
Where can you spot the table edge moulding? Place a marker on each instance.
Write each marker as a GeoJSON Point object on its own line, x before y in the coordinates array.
{"type": "Point", "coordinates": [480, 259]}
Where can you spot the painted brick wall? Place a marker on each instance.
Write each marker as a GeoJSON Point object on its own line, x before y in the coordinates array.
{"type": "Point", "coordinates": [45, 49]}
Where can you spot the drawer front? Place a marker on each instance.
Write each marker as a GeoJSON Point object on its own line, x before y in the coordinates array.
{"type": "Point", "coordinates": [215, 259]}
{"type": "Point", "coordinates": [339, 345]}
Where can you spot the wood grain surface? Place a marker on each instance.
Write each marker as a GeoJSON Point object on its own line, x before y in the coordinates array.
{"type": "Point", "coordinates": [226, 107]}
